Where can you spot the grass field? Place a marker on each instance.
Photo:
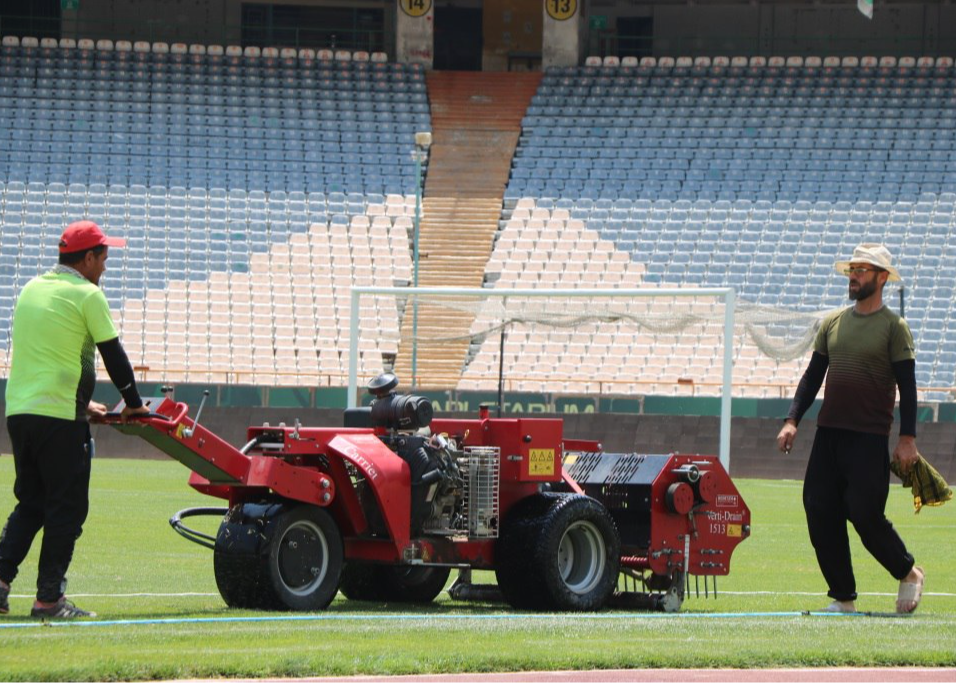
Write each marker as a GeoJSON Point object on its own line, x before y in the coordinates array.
{"type": "Point", "coordinates": [130, 565]}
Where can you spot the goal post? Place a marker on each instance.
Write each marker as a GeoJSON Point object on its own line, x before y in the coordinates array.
{"type": "Point", "coordinates": [472, 299]}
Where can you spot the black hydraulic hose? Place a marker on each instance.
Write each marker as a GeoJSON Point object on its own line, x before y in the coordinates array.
{"type": "Point", "coordinates": [205, 540]}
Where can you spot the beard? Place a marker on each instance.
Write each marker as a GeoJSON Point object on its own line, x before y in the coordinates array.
{"type": "Point", "coordinates": [864, 291]}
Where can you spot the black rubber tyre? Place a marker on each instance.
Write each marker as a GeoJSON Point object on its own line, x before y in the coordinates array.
{"type": "Point", "coordinates": [519, 587]}
{"type": "Point", "coordinates": [576, 554]}
{"type": "Point", "coordinates": [558, 551]}
{"type": "Point", "coordinates": [388, 583]}
{"type": "Point", "coordinates": [278, 556]}
{"type": "Point", "coordinates": [362, 581]}
{"type": "Point", "coordinates": [414, 583]}
{"type": "Point", "coordinates": [236, 555]}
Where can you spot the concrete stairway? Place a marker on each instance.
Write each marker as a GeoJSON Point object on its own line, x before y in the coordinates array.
{"type": "Point", "coordinates": [476, 120]}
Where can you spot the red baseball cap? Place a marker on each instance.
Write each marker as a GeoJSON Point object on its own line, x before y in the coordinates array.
{"type": "Point", "coordinates": [83, 235]}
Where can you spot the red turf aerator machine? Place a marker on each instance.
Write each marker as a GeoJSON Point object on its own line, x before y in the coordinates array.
{"type": "Point", "coordinates": [386, 506]}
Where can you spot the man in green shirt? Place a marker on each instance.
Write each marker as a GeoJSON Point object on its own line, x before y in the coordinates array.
{"type": "Point", "coordinates": [59, 318]}
{"type": "Point", "coordinates": [865, 352]}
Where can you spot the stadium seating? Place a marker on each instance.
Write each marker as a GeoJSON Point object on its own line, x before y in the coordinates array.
{"type": "Point", "coordinates": [757, 175]}
{"type": "Point", "coordinates": [256, 187]}
{"type": "Point", "coordinates": [225, 177]}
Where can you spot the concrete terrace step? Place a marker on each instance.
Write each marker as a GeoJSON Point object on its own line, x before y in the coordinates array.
{"type": "Point", "coordinates": [476, 119]}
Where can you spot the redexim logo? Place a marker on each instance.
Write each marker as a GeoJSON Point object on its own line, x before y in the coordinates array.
{"type": "Point", "coordinates": [727, 500]}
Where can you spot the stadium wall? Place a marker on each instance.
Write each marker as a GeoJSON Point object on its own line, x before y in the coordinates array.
{"type": "Point", "coordinates": [709, 28]}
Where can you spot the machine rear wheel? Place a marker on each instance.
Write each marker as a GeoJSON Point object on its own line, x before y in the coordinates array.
{"type": "Point", "coordinates": [576, 554]}
{"type": "Point", "coordinates": [558, 551]}
{"type": "Point", "coordinates": [519, 587]}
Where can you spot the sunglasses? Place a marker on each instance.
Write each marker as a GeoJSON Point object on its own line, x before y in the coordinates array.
{"type": "Point", "coordinates": [860, 271]}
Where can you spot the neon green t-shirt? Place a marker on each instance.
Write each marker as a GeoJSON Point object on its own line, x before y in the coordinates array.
{"type": "Point", "coordinates": [57, 322]}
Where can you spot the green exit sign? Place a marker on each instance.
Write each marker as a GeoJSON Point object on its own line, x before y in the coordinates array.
{"type": "Point", "coordinates": [69, 4]}
{"type": "Point", "coordinates": [598, 21]}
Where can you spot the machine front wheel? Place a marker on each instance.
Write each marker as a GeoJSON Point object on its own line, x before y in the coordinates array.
{"type": "Point", "coordinates": [278, 556]}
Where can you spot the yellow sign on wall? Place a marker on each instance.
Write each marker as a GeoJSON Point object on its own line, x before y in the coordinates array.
{"type": "Point", "coordinates": [561, 10]}
{"type": "Point", "coordinates": [415, 8]}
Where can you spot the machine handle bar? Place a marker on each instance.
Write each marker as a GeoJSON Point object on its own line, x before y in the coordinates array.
{"type": "Point", "coordinates": [183, 409]}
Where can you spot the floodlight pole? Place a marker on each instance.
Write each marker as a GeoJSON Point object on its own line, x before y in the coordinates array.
{"type": "Point", "coordinates": [422, 142]}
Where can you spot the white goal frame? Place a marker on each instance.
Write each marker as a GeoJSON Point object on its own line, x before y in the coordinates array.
{"type": "Point", "coordinates": [726, 293]}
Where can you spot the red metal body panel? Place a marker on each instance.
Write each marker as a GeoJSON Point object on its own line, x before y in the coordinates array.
{"type": "Point", "coordinates": [388, 476]}
{"type": "Point", "coordinates": [703, 540]}
{"type": "Point", "coordinates": [531, 451]}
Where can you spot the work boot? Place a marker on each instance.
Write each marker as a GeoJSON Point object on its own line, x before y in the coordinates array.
{"type": "Point", "coordinates": [4, 599]}
{"type": "Point", "coordinates": [62, 609]}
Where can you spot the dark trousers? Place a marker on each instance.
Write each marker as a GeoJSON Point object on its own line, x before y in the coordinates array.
{"type": "Point", "coordinates": [52, 459]}
{"type": "Point", "coordinates": [848, 479]}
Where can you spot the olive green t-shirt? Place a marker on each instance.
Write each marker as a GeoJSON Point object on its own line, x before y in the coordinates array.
{"type": "Point", "coordinates": [861, 387]}
{"type": "Point", "coordinates": [58, 319]}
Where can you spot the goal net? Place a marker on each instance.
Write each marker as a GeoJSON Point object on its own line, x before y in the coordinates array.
{"type": "Point", "coordinates": [648, 341]}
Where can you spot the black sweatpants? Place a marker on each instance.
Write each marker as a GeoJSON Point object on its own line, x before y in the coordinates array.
{"type": "Point", "coordinates": [52, 459]}
{"type": "Point", "coordinates": [848, 479]}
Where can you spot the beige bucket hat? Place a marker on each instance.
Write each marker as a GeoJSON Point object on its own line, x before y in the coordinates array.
{"type": "Point", "coordinates": [874, 254]}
